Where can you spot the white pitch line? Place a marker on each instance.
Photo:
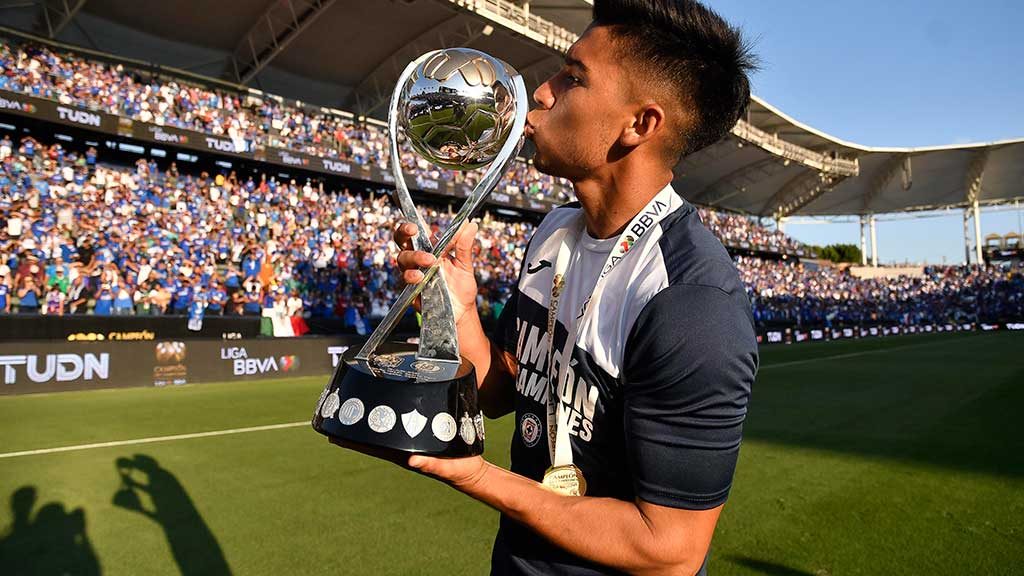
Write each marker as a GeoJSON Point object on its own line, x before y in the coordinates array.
{"type": "Point", "coordinates": [153, 439]}
{"type": "Point", "coordinates": [855, 354]}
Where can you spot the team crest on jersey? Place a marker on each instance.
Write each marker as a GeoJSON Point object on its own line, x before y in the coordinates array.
{"type": "Point", "coordinates": [530, 429]}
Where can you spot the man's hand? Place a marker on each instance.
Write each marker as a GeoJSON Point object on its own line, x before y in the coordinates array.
{"type": "Point", "coordinates": [461, 473]}
{"type": "Point", "coordinates": [457, 265]}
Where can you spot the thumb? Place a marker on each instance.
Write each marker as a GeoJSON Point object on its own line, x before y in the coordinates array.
{"type": "Point", "coordinates": [421, 463]}
{"type": "Point", "coordinates": [464, 241]}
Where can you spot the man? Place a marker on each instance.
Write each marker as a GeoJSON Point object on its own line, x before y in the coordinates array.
{"type": "Point", "coordinates": [182, 296]}
{"type": "Point", "coordinates": [218, 298]}
{"type": "Point", "coordinates": [79, 294]}
{"type": "Point", "coordinates": [639, 402]}
{"type": "Point", "coordinates": [5, 291]}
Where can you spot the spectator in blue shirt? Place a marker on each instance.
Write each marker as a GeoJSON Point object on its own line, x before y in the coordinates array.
{"type": "Point", "coordinates": [182, 297]}
{"type": "Point", "coordinates": [252, 301]}
{"type": "Point", "coordinates": [5, 296]}
{"type": "Point", "coordinates": [123, 301]}
{"type": "Point", "coordinates": [104, 301]}
{"type": "Point", "coordinates": [217, 299]}
{"type": "Point", "coordinates": [251, 264]}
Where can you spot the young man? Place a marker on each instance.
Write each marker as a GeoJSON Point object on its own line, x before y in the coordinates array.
{"type": "Point", "coordinates": [628, 426]}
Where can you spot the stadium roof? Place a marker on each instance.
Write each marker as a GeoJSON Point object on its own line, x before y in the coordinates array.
{"type": "Point", "coordinates": [348, 54]}
{"type": "Point", "coordinates": [736, 175]}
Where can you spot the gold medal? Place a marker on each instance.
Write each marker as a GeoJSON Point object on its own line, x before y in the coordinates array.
{"type": "Point", "coordinates": [566, 479]}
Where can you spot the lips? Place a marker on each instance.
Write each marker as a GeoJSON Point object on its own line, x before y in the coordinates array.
{"type": "Point", "coordinates": [531, 128]}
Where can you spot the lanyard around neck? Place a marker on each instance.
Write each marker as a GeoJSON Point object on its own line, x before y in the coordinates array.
{"type": "Point", "coordinates": [645, 220]}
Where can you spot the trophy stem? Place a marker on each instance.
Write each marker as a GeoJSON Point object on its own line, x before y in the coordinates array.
{"type": "Point", "coordinates": [437, 334]}
{"type": "Point", "coordinates": [494, 172]}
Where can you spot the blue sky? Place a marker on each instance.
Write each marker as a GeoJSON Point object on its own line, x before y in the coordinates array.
{"type": "Point", "coordinates": [898, 73]}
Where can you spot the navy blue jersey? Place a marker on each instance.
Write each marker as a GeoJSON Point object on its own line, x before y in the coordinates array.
{"type": "Point", "coordinates": [659, 377]}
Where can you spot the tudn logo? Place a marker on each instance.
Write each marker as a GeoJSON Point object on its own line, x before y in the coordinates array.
{"type": "Point", "coordinates": [62, 367]}
{"type": "Point", "coordinates": [218, 144]}
{"type": "Point", "coordinates": [79, 116]}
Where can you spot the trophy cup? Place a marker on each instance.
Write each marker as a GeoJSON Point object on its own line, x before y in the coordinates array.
{"type": "Point", "coordinates": [460, 109]}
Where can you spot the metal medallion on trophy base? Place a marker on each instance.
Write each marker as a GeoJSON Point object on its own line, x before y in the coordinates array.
{"type": "Point", "coordinates": [460, 109]}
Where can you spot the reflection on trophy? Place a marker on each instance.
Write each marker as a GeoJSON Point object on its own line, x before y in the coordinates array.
{"type": "Point", "coordinates": [460, 109]}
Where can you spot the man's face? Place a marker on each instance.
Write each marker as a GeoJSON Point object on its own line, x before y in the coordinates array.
{"type": "Point", "coordinates": [582, 109]}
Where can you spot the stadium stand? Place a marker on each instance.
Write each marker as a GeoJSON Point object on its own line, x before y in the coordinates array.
{"type": "Point", "coordinates": [40, 71]}
{"type": "Point", "coordinates": [84, 237]}
{"type": "Point", "coordinates": [796, 294]}
{"type": "Point", "coordinates": [81, 236]}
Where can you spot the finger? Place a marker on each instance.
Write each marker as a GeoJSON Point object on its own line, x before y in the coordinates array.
{"type": "Point", "coordinates": [464, 240]}
{"type": "Point", "coordinates": [429, 465]}
{"type": "Point", "coordinates": [404, 233]}
{"type": "Point", "coordinates": [422, 463]}
{"type": "Point", "coordinates": [412, 276]}
{"type": "Point", "coordinates": [411, 259]}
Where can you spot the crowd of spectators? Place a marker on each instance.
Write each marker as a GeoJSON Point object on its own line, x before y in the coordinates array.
{"type": "Point", "coordinates": [736, 230]}
{"type": "Point", "coordinates": [82, 237]}
{"type": "Point", "coordinates": [78, 236]}
{"type": "Point", "coordinates": [790, 292]}
{"type": "Point", "coordinates": [249, 120]}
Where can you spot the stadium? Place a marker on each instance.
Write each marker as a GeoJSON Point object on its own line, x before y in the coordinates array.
{"type": "Point", "coordinates": [197, 223]}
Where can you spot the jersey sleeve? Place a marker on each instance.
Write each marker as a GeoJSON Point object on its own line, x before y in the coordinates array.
{"type": "Point", "coordinates": [506, 333]}
{"type": "Point", "coordinates": [690, 362]}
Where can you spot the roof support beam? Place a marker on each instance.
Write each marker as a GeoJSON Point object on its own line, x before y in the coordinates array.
{"type": "Point", "coordinates": [281, 23]}
{"type": "Point", "coordinates": [55, 15]}
{"type": "Point", "coordinates": [863, 242]}
{"type": "Point", "coordinates": [825, 162]}
{"type": "Point", "coordinates": [894, 165]}
{"type": "Point", "coordinates": [975, 174]}
{"type": "Point", "coordinates": [799, 192]}
{"type": "Point", "coordinates": [874, 241]}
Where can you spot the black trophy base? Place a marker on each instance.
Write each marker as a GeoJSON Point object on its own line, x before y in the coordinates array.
{"type": "Point", "coordinates": [398, 403]}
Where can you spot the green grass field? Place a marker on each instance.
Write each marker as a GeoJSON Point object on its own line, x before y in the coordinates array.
{"type": "Point", "coordinates": [893, 456]}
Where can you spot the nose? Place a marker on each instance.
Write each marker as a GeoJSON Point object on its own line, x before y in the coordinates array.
{"type": "Point", "coordinates": [544, 96]}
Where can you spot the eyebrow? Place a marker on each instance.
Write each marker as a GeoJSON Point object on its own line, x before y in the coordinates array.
{"type": "Point", "coordinates": [571, 61]}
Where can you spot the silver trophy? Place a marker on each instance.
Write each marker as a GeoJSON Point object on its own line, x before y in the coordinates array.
{"type": "Point", "coordinates": [460, 109]}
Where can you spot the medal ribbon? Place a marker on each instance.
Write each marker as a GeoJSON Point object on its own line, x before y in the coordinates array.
{"type": "Point", "coordinates": [559, 444]}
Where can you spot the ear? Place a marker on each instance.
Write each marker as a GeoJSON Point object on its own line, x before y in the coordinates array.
{"type": "Point", "coordinates": [648, 122]}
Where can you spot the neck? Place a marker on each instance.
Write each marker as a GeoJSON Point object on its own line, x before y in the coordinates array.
{"type": "Point", "coordinates": [611, 201]}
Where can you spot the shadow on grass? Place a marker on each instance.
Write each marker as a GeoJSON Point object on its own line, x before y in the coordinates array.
{"type": "Point", "coordinates": [765, 567]}
{"type": "Point", "coordinates": [934, 403]}
{"type": "Point", "coordinates": [193, 545]}
{"type": "Point", "coordinates": [52, 541]}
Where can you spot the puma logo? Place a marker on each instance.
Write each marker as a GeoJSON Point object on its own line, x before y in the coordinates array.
{"type": "Point", "coordinates": [538, 267]}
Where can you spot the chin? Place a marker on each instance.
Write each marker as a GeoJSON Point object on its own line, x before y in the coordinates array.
{"type": "Point", "coordinates": [544, 165]}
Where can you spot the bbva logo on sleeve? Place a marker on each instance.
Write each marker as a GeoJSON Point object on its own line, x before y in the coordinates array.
{"type": "Point", "coordinates": [243, 365]}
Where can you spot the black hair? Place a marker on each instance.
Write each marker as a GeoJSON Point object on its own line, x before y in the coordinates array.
{"type": "Point", "coordinates": [700, 57]}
